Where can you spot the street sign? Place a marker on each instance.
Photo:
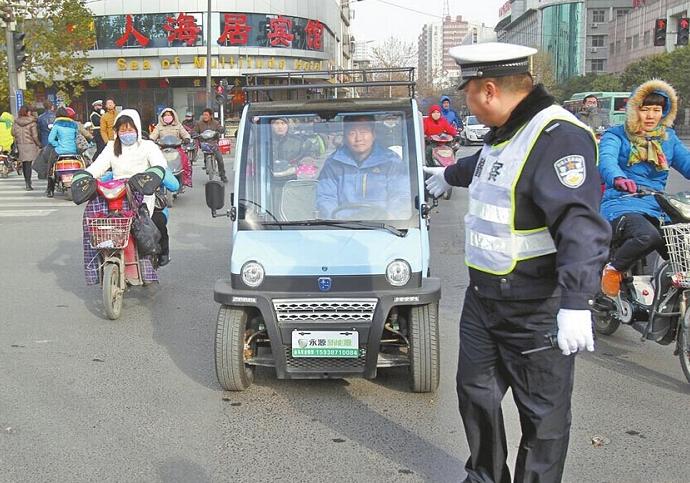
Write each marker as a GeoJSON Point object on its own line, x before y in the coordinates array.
{"type": "Point", "coordinates": [20, 98]}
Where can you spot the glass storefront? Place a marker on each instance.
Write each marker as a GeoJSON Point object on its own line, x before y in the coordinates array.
{"type": "Point", "coordinates": [562, 31]}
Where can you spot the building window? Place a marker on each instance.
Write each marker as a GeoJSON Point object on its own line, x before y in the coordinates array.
{"type": "Point", "coordinates": [618, 46]}
{"type": "Point", "coordinates": [597, 65]}
{"type": "Point", "coordinates": [636, 41]}
{"type": "Point", "coordinates": [628, 43]}
{"type": "Point", "coordinates": [621, 11]}
{"type": "Point", "coordinates": [598, 16]}
{"type": "Point", "coordinates": [597, 40]}
{"type": "Point", "coordinates": [612, 48]}
{"type": "Point", "coordinates": [647, 37]}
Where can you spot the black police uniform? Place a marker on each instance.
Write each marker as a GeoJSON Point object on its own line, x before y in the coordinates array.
{"type": "Point", "coordinates": [504, 315]}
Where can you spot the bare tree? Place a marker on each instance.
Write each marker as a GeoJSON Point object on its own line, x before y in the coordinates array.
{"type": "Point", "coordinates": [394, 53]}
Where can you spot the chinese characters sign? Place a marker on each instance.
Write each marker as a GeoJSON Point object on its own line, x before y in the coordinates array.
{"type": "Point", "coordinates": [181, 29]}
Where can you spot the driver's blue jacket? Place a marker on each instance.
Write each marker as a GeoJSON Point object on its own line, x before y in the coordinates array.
{"type": "Point", "coordinates": [614, 151]}
{"type": "Point", "coordinates": [381, 180]}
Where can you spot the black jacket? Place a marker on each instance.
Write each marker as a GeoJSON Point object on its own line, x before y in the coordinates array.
{"type": "Point", "coordinates": [580, 234]}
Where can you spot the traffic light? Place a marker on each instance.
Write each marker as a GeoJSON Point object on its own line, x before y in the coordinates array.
{"type": "Point", "coordinates": [19, 49]}
{"type": "Point", "coordinates": [660, 32]}
{"type": "Point", "coordinates": [683, 31]}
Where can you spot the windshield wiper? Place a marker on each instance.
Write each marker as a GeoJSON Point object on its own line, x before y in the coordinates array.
{"type": "Point", "coordinates": [353, 224]}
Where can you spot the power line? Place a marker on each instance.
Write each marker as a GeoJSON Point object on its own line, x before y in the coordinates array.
{"type": "Point", "coordinates": [408, 9]}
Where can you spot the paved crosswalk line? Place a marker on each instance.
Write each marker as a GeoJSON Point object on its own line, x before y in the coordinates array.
{"type": "Point", "coordinates": [54, 204]}
{"type": "Point", "coordinates": [30, 198]}
{"type": "Point", "coordinates": [19, 213]}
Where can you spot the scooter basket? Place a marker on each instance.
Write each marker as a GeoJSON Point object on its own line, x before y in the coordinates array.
{"type": "Point", "coordinates": [109, 233]}
{"type": "Point", "coordinates": [677, 237]}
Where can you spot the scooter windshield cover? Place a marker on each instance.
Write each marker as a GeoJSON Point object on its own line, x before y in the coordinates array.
{"type": "Point", "coordinates": [112, 190]}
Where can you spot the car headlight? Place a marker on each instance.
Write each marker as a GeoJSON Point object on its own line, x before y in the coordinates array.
{"type": "Point", "coordinates": [398, 273]}
{"type": "Point", "coordinates": [252, 274]}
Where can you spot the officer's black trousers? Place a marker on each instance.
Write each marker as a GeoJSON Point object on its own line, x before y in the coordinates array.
{"type": "Point", "coordinates": [492, 335]}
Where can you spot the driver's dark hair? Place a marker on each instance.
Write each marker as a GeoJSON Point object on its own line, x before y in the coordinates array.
{"type": "Point", "coordinates": [363, 118]}
{"type": "Point", "coordinates": [122, 121]}
{"type": "Point", "coordinates": [591, 96]}
{"type": "Point", "coordinates": [209, 110]}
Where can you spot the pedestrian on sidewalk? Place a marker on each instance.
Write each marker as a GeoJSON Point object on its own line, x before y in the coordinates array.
{"type": "Point", "coordinates": [25, 132]}
{"type": "Point", "coordinates": [45, 122]}
{"type": "Point", "coordinates": [534, 244]}
{"type": "Point", "coordinates": [108, 122]}
{"type": "Point", "coordinates": [95, 119]}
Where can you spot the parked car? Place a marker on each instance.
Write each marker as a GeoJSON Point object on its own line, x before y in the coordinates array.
{"type": "Point", "coordinates": [473, 131]}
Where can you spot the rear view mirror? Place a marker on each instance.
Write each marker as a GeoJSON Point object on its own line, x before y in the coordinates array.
{"type": "Point", "coordinates": [215, 195]}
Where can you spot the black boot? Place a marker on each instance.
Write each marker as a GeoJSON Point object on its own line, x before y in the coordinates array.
{"type": "Point", "coordinates": [28, 186]}
{"type": "Point", "coordinates": [50, 191]}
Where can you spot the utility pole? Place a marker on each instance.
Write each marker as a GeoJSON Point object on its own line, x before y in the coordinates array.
{"type": "Point", "coordinates": [10, 26]}
{"type": "Point", "coordinates": [209, 90]}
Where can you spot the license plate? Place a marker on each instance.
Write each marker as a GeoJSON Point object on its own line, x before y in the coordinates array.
{"type": "Point", "coordinates": [67, 178]}
{"type": "Point", "coordinates": [325, 343]}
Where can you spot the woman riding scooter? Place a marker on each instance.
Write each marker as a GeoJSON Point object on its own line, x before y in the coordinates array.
{"type": "Point", "coordinates": [128, 156]}
{"type": "Point", "coordinates": [436, 124]}
{"type": "Point", "coordinates": [639, 153]}
{"type": "Point", "coordinates": [170, 125]}
{"type": "Point", "coordinates": [63, 139]}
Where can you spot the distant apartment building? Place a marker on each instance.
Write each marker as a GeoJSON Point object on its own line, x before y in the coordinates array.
{"type": "Point", "coordinates": [478, 34]}
{"type": "Point", "coordinates": [435, 64]}
{"type": "Point", "coordinates": [573, 33]}
{"type": "Point", "coordinates": [430, 53]}
{"type": "Point", "coordinates": [631, 36]}
{"type": "Point", "coordinates": [454, 32]}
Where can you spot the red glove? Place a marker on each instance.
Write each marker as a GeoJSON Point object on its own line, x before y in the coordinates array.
{"type": "Point", "coordinates": [625, 184]}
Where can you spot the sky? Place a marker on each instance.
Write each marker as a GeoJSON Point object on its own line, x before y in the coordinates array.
{"type": "Point", "coordinates": [379, 19]}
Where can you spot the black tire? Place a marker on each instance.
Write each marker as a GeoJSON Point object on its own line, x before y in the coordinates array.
{"type": "Point", "coordinates": [68, 194]}
{"type": "Point", "coordinates": [684, 347]}
{"type": "Point", "coordinates": [424, 348]}
{"type": "Point", "coordinates": [169, 198]}
{"type": "Point", "coordinates": [605, 324]}
{"type": "Point", "coordinates": [232, 373]}
{"type": "Point", "coordinates": [112, 293]}
{"type": "Point", "coordinates": [210, 163]}
{"type": "Point", "coordinates": [448, 194]}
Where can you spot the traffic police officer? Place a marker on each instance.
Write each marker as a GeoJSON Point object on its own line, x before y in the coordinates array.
{"type": "Point", "coordinates": [95, 118]}
{"type": "Point", "coordinates": [534, 245]}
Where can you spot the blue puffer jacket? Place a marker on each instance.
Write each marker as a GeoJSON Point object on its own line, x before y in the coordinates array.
{"type": "Point", "coordinates": [382, 180]}
{"type": "Point", "coordinates": [450, 115]}
{"type": "Point", "coordinates": [63, 136]}
{"type": "Point", "coordinates": [614, 150]}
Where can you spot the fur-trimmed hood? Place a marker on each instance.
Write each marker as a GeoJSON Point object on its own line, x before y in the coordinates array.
{"type": "Point", "coordinates": [654, 86]}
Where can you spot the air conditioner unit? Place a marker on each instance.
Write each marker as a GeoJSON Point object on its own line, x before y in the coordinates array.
{"type": "Point", "coordinates": [594, 25]}
{"type": "Point", "coordinates": [594, 50]}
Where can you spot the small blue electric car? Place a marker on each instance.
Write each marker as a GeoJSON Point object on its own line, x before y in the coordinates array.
{"type": "Point", "coordinates": [329, 267]}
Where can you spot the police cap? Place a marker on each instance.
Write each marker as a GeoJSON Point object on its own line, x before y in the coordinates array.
{"type": "Point", "coordinates": [491, 59]}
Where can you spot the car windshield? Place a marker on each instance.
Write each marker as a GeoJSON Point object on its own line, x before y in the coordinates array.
{"type": "Point", "coordinates": [305, 170]}
{"type": "Point", "coordinates": [471, 120]}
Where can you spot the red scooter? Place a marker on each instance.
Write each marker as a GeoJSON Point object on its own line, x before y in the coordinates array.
{"type": "Point", "coordinates": [443, 148]}
{"type": "Point", "coordinates": [111, 235]}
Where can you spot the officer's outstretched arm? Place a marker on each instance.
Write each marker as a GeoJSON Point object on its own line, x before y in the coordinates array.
{"type": "Point", "coordinates": [460, 173]}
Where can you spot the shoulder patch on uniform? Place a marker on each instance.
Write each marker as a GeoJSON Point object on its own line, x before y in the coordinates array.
{"type": "Point", "coordinates": [571, 170]}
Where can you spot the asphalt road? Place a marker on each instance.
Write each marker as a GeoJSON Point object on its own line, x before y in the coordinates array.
{"type": "Point", "coordinates": [83, 398]}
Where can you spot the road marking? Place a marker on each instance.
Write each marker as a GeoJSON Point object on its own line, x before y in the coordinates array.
{"type": "Point", "coordinates": [33, 203]}
{"type": "Point", "coordinates": [18, 213]}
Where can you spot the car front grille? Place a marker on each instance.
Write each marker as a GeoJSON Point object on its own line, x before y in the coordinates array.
{"type": "Point", "coordinates": [347, 310]}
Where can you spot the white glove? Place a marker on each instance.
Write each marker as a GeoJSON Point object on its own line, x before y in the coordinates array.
{"type": "Point", "coordinates": [574, 331]}
{"type": "Point", "coordinates": [437, 184]}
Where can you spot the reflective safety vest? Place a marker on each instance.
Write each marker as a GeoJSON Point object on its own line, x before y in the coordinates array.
{"type": "Point", "coordinates": [492, 244]}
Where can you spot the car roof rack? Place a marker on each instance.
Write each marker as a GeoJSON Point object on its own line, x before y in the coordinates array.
{"type": "Point", "coordinates": [312, 84]}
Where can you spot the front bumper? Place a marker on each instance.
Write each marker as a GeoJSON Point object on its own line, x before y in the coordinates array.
{"type": "Point", "coordinates": [370, 332]}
